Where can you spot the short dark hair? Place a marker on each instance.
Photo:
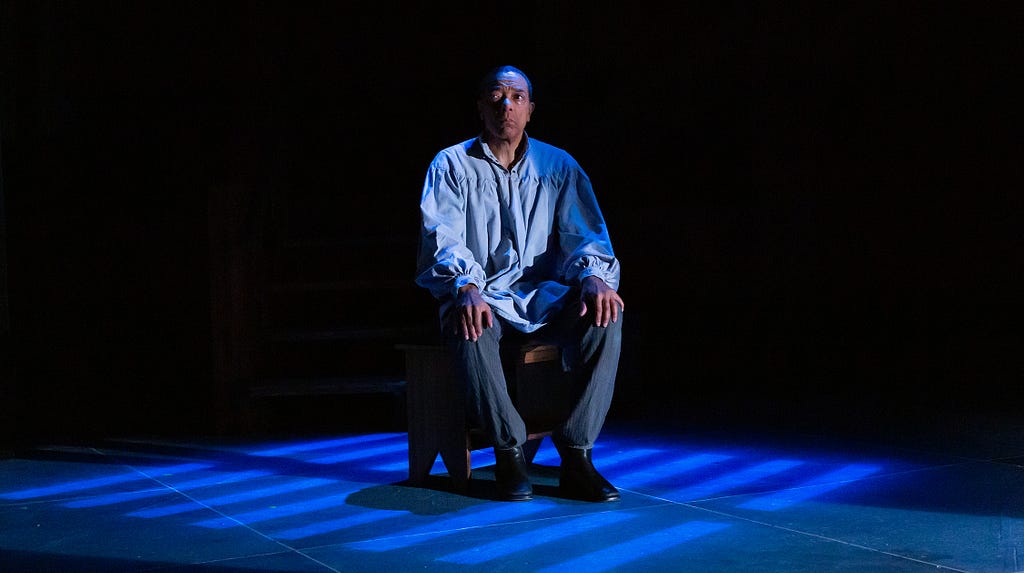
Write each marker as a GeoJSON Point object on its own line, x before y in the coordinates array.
{"type": "Point", "coordinates": [487, 82]}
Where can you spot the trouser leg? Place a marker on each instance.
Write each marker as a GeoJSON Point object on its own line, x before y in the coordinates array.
{"type": "Point", "coordinates": [488, 405]}
{"type": "Point", "coordinates": [591, 355]}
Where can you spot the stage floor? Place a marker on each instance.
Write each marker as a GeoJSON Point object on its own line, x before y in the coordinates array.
{"type": "Point", "coordinates": [949, 499]}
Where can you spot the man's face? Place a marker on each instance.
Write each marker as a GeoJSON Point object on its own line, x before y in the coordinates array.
{"type": "Point", "coordinates": [506, 109]}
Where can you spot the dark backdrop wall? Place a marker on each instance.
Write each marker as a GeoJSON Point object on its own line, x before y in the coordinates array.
{"type": "Point", "coordinates": [817, 206]}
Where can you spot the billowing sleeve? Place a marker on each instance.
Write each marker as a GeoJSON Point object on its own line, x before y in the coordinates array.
{"type": "Point", "coordinates": [583, 234]}
{"type": "Point", "coordinates": [445, 263]}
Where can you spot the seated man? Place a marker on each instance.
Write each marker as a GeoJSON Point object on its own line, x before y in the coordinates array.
{"type": "Point", "coordinates": [512, 238]}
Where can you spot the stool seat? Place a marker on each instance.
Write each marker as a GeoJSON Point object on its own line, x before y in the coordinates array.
{"type": "Point", "coordinates": [436, 407]}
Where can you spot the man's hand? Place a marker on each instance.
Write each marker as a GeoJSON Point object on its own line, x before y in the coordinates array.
{"type": "Point", "coordinates": [472, 313]}
{"type": "Point", "coordinates": [596, 295]}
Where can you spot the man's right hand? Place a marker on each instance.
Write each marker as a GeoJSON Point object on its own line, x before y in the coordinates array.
{"type": "Point", "coordinates": [472, 313]}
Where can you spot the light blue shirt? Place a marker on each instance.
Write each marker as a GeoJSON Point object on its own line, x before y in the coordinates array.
{"type": "Point", "coordinates": [524, 236]}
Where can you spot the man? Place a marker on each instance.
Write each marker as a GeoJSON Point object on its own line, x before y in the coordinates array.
{"type": "Point", "coordinates": [513, 241]}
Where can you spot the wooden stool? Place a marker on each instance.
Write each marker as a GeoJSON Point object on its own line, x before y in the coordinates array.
{"type": "Point", "coordinates": [436, 408]}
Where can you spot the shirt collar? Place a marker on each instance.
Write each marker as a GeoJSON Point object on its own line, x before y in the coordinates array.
{"type": "Point", "coordinates": [486, 150]}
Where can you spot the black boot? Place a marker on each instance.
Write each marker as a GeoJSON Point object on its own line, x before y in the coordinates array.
{"type": "Point", "coordinates": [510, 475]}
{"type": "Point", "coordinates": [579, 479]}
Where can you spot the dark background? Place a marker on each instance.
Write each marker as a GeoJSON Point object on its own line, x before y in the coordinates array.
{"type": "Point", "coordinates": [817, 207]}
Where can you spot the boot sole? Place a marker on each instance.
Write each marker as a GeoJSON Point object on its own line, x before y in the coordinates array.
{"type": "Point", "coordinates": [576, 496]}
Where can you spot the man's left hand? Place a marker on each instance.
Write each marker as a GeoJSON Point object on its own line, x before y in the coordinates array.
{"type": "Point", "coordinates": [596, 295]}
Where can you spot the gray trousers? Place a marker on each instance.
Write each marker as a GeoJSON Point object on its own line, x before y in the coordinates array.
{"type": "Point", "coordinates": [590, 354]}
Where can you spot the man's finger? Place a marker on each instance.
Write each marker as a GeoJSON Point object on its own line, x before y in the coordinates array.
{"type": "Point", "coordinates": [614, 310]}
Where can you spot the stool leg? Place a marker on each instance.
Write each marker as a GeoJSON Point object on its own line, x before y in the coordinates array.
{"type": "Point", "coordinates": [422, 386]}
{"type": "Point", "coordinates": [423, 442]}
{"type": "Point", "coordinates": [421, 459]}
{"type": "Point", "coordinates": [436, 417]}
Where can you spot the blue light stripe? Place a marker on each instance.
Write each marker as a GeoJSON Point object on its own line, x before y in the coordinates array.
{"type": "Point", "coordinates": [732, 480]}
{"type": "Point", "coordinates": [360, 454]}
{"type": "Point", "coordinates": [275, 512]}
{"type": "Point", "coordinates": [404, 465]}
{"type": "Point", "coordinates": [602, 462]}
{"type": "Point", "coordinates": [812, 488]}
{"type": "Point", "coordinates": [549, 453]}
{"type": "Point", "coordinates": [122, 497]}
{"type": "Point", "coordinates": [546, 454]}
{"type": "Point", "coordinates": [494, 514]}
{"type": "Point", "coordinates": [231, 498]}
{"type": "Point", "coordinates": [669, 468]}
{"type": "Point", "coordinates": [622, 553]}
{"type": "Point", "coordinates": [479, 459]}
{"type": "Point", "coordinates": [322, 445]}
{"type": "Point", "coordinates": [526, 541]}
{"type": "Point", "coordinates": [621, 457]}
{"type": "Point", "coordinates": [81, 485]}
{"type": "Point", "coordinates": [337, 524]}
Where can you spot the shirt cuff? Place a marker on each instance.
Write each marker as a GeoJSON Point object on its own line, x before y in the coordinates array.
{"type": "Point", "coordinates": [463, 281]}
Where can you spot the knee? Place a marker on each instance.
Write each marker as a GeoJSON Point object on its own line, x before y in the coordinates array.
{"type": "Point", "coordinates": [473, 350]}
{"type": "Point", "coordinates": [602, 337]}
{"type": "Point", "coordinates": [611, 332]}
{"type": "Point", "coordinates": [616, 327]}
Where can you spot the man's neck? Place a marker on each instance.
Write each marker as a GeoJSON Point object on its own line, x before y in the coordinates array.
{"type": "Point", "coordinates": [506, 151]}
